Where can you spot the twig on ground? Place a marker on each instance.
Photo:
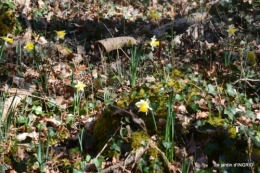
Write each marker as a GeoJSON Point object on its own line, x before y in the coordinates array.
{"type": "Point", "coordinates": [107, 142]}
{"type": "Point", "coordinates": [251, 80]}
{"type": "Point", "coordinates": [246, 80]}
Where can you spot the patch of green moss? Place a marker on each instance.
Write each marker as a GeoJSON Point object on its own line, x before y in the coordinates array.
{"type": "Point", "coordinates": [232, 132]}
{"type": "Point", "coordinates": [178, 85]}
{"type": "Point", "coordinates": [7, 160]}
{"type": "Point", "coordinates": [176, 74]}
{"type": "Point", "coordinates": [139, 92]}
{"type": "Point", "coordinates": [215, 121]}
{"type": "Point", "coordinates": [74, 152]}
{"type": "Point", "coordinates": [113, 153]}
{"type": "Point", "coordinates": [105, 126]}
{"type": "Point", "coordinates": [138, 138]}
{"type": "Point", "coordinates": [77, 164]}
{"type": "Point", "coordinates": [7, 22]}
{"type": "Point", "coordinates": [122, 103]}
{"type": "Point", "coordinates": [153, 152]}
{"type": "Point", "coordinates": [192, 94]}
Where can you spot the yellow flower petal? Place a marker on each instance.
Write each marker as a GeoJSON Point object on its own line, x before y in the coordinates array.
{"type": "Point", "coordinates": [8, 40]}
{"type": "Point", "coordinates": [232, 31]}
{"type": "Point", "coordinates": [154, 43]}
{"type": "Point", "coordinates": [29, 46]}
{"type": "Point", "coordinates": [80, 86]}
{"type": "Point", "coordinates": [61, 34]}
{"type": "Point", "coordinates": [143, 106]}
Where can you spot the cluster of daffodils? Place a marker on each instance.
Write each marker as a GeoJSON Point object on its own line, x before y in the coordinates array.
{"type": "Point", "coordinates": [144, 106]}
{"type": "Point", "coordinates": [30, 46]}
{"type": "Point", "coordinates": [154, 43]}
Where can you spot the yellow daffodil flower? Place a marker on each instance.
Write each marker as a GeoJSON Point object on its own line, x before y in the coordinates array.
{"type": "Point", "coordinates": [60, 34]}
{"type": "Point", "coordinates": [231, 30]}
{"type": "Point", "coordinates": [154, 43]}
{"type": "Point", "coordinates": [143, 105]}
{"type": "Point", "coordinates": [7, 39]}
{"type": "Point", "coordinates": [29, 46]}
{"type": "Point", "coordinates": [80, 86]}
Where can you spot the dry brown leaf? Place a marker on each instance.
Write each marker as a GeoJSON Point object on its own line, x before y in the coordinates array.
{"type": "Point", "coordinates": [180, 152]}
{"type": "Point", "coordinates": [61, 102]}
{"type": "Point", "coordinates": [53, 121]}
{"type": "Point", "coordinates": [49, 15]}
{"type": "Point", "coordinates": [77, 59]}
{"type": "Point", "coordinates": [42, 40]}
{"type": "Point", "coordinates": [18, 81]}
{"type": "Point", "coordinates": [41, 4]}
{"type": "Point", "coordinates": [95, 73]}
{"type": "Point", "coordinates": [65, 51]}
{"type": "Point", "coordinates": [12, 171]}
{"type": "Point", "coordinates": [62, 69]}
{"type": "Point", "coordinates": [202, 104]}
{"type": "Point", "coordinates": [182, 109]}
{"type": "Point", "coordinates": [149, 79]}
{"type": "Point", "coordinates": [241, 109]}
{"type": "Point", "coordinates": [12, 102]}
{"type": "Point", "coordinates": [218, 101]}
{"type": "Point", "coordinates": [201, 115]}
{"type": "Point", "coordinates": [23, 136]}
{"type": "Point", "coordinates": [114, 65]}
{"type": "Point", "coordinates": [244, 120]}
{"type": "Point", "coordinates": [21, 153]}
{"type": "Point", "coordinates": [20, 3]}
{"type": "Point", "coordinates": [81, 50]}
{"type": "Point", "coordinates": [32, 72]}
{"type": "Point", "coordinates": [174, 166]}
{"type": "Point", "coordinates": [257, 114]}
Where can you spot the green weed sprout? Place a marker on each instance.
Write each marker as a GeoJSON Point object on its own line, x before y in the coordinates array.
{"type": "Point", "coordinates": [5, 123]}
{"type": "Point", "coordinates": [80, 138]}
{"type": "Point", "coordinates": [134, 63]}
{"type": "Point", "coordinates": [2, 49]}
{"type": "Point", "coordinates": [168, 143]}
{"type": "Point", "coordinates": [185, 166]}
{"type": "Point", "coordinates": [40, 155]}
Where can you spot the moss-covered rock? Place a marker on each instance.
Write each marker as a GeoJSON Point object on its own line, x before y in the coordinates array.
{"type": "Point", "coordinates": [7, 21]}
{"type": "Point", "coordinates": [138, 139]}
{"type": "Point", "coordinates": [105, 126]}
